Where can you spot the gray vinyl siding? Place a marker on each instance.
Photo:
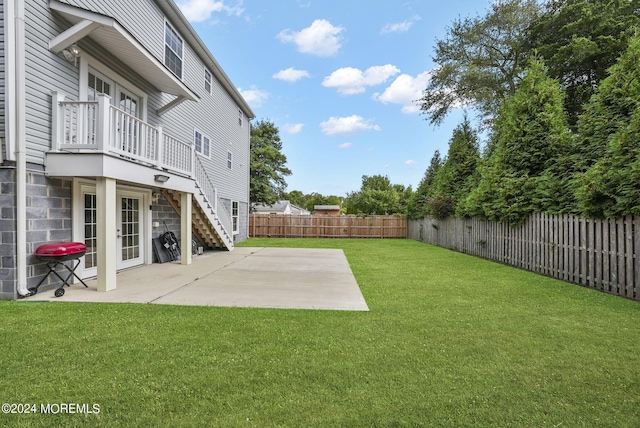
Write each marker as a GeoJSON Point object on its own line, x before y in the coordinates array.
{"type": "Point", "coordinates": [2, 76]}
{"type": "Point", "coordinates": [45, 72]}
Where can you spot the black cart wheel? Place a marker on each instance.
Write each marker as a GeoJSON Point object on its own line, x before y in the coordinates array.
{"type": "Point", "coordinates": [32, 290]}
{"type": "Point", "coordinates": [59, 292]}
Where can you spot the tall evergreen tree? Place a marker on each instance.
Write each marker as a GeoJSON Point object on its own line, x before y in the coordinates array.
{"type": "Point", "coordinates": [579, 40]}
{"type": "Point", "coordinates": [455, 178]}
{"type": "Point", "coordinates": [417, 205]}
{"type": "Point", "coordinates": [532, 140]}
{"type": "Point", "coordinates": [610, 133]}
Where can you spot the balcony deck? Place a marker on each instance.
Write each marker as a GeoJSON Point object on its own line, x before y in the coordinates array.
{"type": "Point", "coordinates": [96, 139]}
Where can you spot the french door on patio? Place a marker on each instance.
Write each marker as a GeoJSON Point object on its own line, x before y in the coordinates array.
{"type": "Point", "coordinates": [130, 245]}
{"type": "Point", "coordinates": [131, 227]}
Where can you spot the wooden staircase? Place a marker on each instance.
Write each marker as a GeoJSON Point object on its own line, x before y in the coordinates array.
{"type": "Point", "coordinates": [207, 226]}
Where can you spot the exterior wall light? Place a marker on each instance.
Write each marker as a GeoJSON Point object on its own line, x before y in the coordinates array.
{"type": "Point", "coordinates": [71, 53]}
{"type": "Point", "coordinates": [161, 178]}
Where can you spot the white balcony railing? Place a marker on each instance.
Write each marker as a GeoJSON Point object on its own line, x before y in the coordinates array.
{"type": "Point", "coordinates": [211, 194]}
{"type": "Point", "coordinates": [97, 126]}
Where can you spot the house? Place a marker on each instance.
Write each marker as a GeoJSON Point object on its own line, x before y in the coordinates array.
{"type": "Point", "coordinates": [330, 210]}
{"type": "Point", "coordinates": [115, 120]}
{"type": "Point", "coordinates": [282, 207]}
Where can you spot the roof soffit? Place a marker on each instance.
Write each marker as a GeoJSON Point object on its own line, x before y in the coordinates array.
{"type": "Point", "coordinates": [110, 34]}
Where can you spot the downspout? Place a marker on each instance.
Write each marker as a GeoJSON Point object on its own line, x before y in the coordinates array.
{"type": "Point", "coordinates": [20, 148]}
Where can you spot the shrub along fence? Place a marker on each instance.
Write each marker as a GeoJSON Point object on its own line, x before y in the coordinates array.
{"type": "Point", "coordinates": [599, 254]}
{"type": "Point", "coordinates": [311, 226]}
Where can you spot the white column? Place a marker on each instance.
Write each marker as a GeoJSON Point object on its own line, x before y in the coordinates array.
{"type": "Point", "coordinates": [185, 228]}
{"type": "Point", "coordinates": [106, 223]}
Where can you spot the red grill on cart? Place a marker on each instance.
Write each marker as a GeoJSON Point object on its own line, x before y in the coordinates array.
{"type": "Point", "coordinates": [56, 254]}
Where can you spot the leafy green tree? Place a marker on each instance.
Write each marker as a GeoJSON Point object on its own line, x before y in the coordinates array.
{"type": "Point", "coordinates": [267, 182]}
{"type": "Point", "coordinates": [532, 146]}
{"type": "Point", "coordinates": [579, 40]}
{"type": "Point", "coordinates": [457, 176]}
{"type": "Point", "coordinates": [480, 61]}
{"type": "Point", "coordinates": [404, 196]}
{"type": "Point", "coordinates": [417, 204]}
{"type": "Point", "coordinates": [377, 196]}
{"type": "Point", "coordinates": [610, 132]}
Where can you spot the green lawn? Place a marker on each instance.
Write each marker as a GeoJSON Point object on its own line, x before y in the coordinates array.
{"type": "Point", "coordinates": [450, 340]}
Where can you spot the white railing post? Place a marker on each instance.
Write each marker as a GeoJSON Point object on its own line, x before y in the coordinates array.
{"type": "Point", "coordinates": [57, 120]}
{"type": "Point", "coordinates": [192, 152]}
{"type": "Point", "coordinates": [215, 200]}
{"type": "Point", "coordinates": [160, 152]}
{"type": "Point", "coordinates": [103, 126]}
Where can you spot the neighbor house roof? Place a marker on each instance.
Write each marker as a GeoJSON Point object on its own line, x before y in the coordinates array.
{"type": "Point", "coordinates": [327, 207]}
{"type": "Point", "coordinates": [280, 207]}
{"type": "Point", "coordinates": [296, 210]}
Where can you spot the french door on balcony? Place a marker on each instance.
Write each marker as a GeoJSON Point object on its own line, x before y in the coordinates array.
{"type": "Point", "coordinates": [127, 130]}
{"type": "Point", "coordinates": [121, 98]}
{"type": "Point", "coordinates": [125, 120]}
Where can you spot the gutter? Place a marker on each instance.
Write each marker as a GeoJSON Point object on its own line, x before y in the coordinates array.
{"type": "Point", "coordinates": [19, 125]}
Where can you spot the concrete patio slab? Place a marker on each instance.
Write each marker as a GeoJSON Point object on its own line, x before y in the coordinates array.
{"type": "Point", "coordinates": [246, 277]}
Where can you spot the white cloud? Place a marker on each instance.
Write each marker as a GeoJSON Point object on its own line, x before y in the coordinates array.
{"type": "Point", "coordinates": [201, 10]}
{"type": "Point", "coordinates": [400, 27]}
{"type": "Point", "coordinates": [321, 38]}
{"type": "Point", "coordinates": [292, 128]}
{"type": "Point", "coordinates": [347, 125]}
{"type": "Point", "coordinates": [254, 96]}
{"type": "Point", "coordinates": [410, 162]}
{"type": "Point", "coordinates": [345, 146]}
{"type": "Point", "coordinates": [291, 75]}
{"type": "Point", "coordinates": [405, 90]}
{"type": "Point", "coordinates": [350, 81]}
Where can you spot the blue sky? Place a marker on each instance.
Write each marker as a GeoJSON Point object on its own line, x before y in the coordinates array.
{"type": "Point", "coordinates": [337, 78]}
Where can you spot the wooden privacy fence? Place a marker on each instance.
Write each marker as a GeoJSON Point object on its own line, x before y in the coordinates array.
{"type": "Point", "coordinates": [599, 254]}
{"type": "Point", "coordinates": [310, 226]}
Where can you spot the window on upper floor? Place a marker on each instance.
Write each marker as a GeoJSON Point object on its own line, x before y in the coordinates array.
{"type": "Point", "coordinates": [229, 159]}
{"type": "Point", "coordinates": [202, 143]}
{"type": "Point", "coordinates": [173, 50]}
{"type": "Point", "coordinates": [207, 81]}
{"type": "Point", "coordinates": [240, 117]}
